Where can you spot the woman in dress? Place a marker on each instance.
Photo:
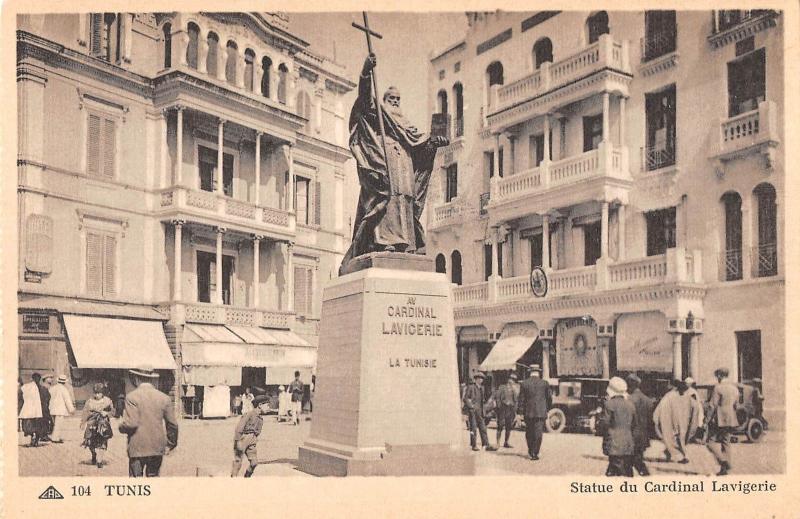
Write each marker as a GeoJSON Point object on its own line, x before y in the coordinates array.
{"type": "Point", "coordinates": [97, 425]}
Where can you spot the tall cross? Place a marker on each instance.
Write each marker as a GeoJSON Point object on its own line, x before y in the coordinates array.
{"type": "Point", "coordinates": [369, 33]}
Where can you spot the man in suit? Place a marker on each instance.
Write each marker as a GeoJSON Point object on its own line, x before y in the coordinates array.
{"type": "Point", "coordinates": [619, 421]}
{"type": "Point", "coordinates": [473, 401]}
{"type": "Point", "coordinates": [641, 429]}
{"type": "Point", "coordinates": [507, 396]}
{"type": "Point", "coordinates": [723, 412]}
{"type": "Point", "coordinates": [149, 421]}
{"type": "Point", "coordinates": [534, 402]}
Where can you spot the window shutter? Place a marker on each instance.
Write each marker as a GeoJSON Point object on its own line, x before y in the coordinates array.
{"type": "Point", "coordinates": [39, 246]}
{"type": "Point", "coordinates": [109, 147]}
{"type": "Point", "coordinates": [94, 263]}
{"type": "Point", "coordinates": [109, 266]}
{"type": "Point", "coordinates": [309, 292]}
{"type": "Point", "coordinates": [95, 36]}
{"type": "Point", "coordinates": [93, 146]}
{"type": "Point", "coordinates": [300, 290]}
{"type": "Point", "coordinates": [317, 202]}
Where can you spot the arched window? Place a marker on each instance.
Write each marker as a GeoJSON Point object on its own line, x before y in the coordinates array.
{"type": "Point", "coordinates": [303, 107]}
{"type": "Point", "coordinates": [441, 264]}
{"type": "Point", "coordinates": [167, 30]}
{"type": "Point", "coordinates": [266, 70]}
{"type": "Point", "coordinates": [191, 48]}
{"type": "Point", "coordinates": [458, 97]}
{"type": "Point", "coordinates": [596, 25]}
{"type": "Point", "coordinates": [283, 77]}
{"type": "Point", "coordinates": [455, 267]}
{"type": "Point", "coordinates": [249, 58]}
{"type": "Point", "coordinates": [732, 256]}
{"type": "Point", "coordinates": [542, 52]}
{"type": "Point", "coordinates": [213, 51]}
{"type": "Point", "coordinates": [494, 76]}
{"type": "Point", "coordinates": [441, 100]}
{"type": "Point", "coordinates": [765, 254]}
{"type": "Point", "coordinates": [231, 62]}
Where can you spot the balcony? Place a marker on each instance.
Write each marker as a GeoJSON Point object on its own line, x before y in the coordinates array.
{"type": "Point", "coordinates": [209, 313]}
{"type": "Point", "coordinates": [218, 210]}
{"type": "Point", "coordinates": [730, 26]}
{"type": "Point", "coordinates": [676, 266]}
{"type": "Point", "coordinates": [449, 213]}
{"type": "Point", "coordinates": [601, 67]}
{"type": "Point", "coordinates": [587, 176]}
{"type": "Point", "coordinates": [755, 131]}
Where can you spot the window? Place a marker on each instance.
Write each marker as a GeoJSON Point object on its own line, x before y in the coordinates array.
{"type": "Point", "coordinates": [441, 74]}
{"type": "Point", "coordinates": [591, 243]}
{"type": "Point", "coordinates": [732, 255]}
{"type": "Point", "coordinates": [536, 149]}
{"type": "Point", "coordinates": [441, 266]}
{"type": "Point", "coordinates": [660, 110]}
{"type": "Point", "coordinates": [303, 108]}
{"type": "Point", "coordinates": [660, 34]}
{"type": "Point", "coordinates": [101, 145]}
{"type": "Point", "coordinates": [266, 67]}
{"type": "Point", "coordinates": [765, 256]}
{"type": "Point", "coordinates": [536, 250]}
{"type": "Point", "coordinates": [441, 99]}
{"type": "Point", "coordinates": [232, 55]}
{"type": "Point", "coordinates": [451, 187]}
{"type": "Point", "coordinates": [211, 58]}
{"type": "Point", "coordinates": [104, 36]}
{"type": "Point", "coordinates": [661, 231]}
{"type": "Point", "coordinates": [748, 354]}
{"type": "Point", "coordinates": [191, 48]}
{"type": "Point", "coordinates": [207, 277]}
{"type": "Point", "coordinates": [283, 74]}
{"type": "Point", "coordinates": [500, 161]}
{"type": "Point", "coordinates": [494, 76]}
{"type": "Point", "coordinates": [249, 58]}
{"type": "Point", "coordinates": [303, 290]}
{"type": "Point", "coordinates": [101, 263]}
{"type": "Point", "coordinates": [487, 261]}
{"type": "Point", "coordinates": [207, 160]}
{"type": "Point", "coordinates": [39, 244]}
{"type": "Point", "coordinates": [746, 83]}
{"type": "Point", "coordinates": [458, 96]}
{"type": "Point", "coordinates": [592, 132]}
{"type": "Point", "coordinates": [455, 267]}
{"type": "Point", "coordinates": [730, 18]}
{"type": "Point", "coordinates": [167, 30]}
{"type": "Point", "coordinates": [488, 163]}
{"type": "Point", "coordinates": [542, 52]}
{"type": "Point", "coordinates": [596, 25]}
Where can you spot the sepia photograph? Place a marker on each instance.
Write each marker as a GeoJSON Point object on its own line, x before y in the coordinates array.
{"type": "Point", "coordinates": [333, 244]}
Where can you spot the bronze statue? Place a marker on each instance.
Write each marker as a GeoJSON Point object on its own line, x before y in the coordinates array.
{"type": "Point", "coordinates": [393, 189]}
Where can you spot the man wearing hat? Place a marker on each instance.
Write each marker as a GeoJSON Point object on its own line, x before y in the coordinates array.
{"type": "Point", "coordinates": [534, 402]}
{"type": "Point", "coordinates": [149, 421]}
{"type": "Point", "coordinates": [61, 406]}
{"type": "Point", "coordinates": [722, 419]}
{"type": "Point", "coordinates": [506, 397]}
{"type": "Point", "coordinates": [641, 430]}
{"type": "Point", "coordinates": [473, 405]}
{"type": "Point", "coordinates": [245, 438]}
{"type": "Point", "coordinates": [619, 421]}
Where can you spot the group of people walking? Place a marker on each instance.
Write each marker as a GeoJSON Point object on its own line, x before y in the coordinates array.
{"type": "Point", "coordinates": [679, 418]}
{"type": "Point", "coordinates": [147, 419]}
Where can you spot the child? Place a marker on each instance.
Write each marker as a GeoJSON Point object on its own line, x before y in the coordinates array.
{"type": "Point", "coordinates": [246, 437]}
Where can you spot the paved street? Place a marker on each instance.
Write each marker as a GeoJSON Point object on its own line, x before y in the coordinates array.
{"type": "Point", "coordinates": [205, 449]}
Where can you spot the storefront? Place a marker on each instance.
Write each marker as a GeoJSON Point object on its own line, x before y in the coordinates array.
{"type": "Point", "coordinates": [517, 347]}
{"type": "Point", "coordinates": [221, 361]}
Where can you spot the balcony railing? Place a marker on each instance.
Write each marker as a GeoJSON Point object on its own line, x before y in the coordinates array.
{"type": "Point", "coordinates": [209, 203]}
{"type": "Point", "coordinates": [483, 204]}
{"type": "Point", "coordinates": [473, 293]}
{"type": "Point", "coordinates": [459, 127]}
{"type": "Point", "coordinates": [657, 157]}
{"type": "Point", "coordinates": [730, 265]}
{"type": "Point", "coordinates": [765, 260]}
{"type": "Point", "coordinates": [225, 314]}
{"type": "Point", "coordinates": [729, 18]}
{"type": "Point", "coordinates": [644, 271]}
{"type": "Point", "coordinates": [749, 130]}
{"type": "Point", "coordinates": [658, 43]}
{"type": "Point", "coordinates": [448, 213]}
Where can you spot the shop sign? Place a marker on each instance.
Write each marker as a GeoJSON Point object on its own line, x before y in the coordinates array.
{"type": "Point", "coordinates": [643, 343]}
{"type": "Point", "coordinates": [35, 323]}
{"type": "Point", "coordinates": [260, 353]}
{"type": "Point", "coordinates": [577, 348]}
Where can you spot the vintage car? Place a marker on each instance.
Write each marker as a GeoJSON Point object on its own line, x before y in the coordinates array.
{"type": "Point", "coordinates": [574, 400]}
{"type": "Point", "coordinates": [752, 424]}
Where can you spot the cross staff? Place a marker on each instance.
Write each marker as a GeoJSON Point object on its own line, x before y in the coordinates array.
{"type": "Point", "coordinates": [369, 32]}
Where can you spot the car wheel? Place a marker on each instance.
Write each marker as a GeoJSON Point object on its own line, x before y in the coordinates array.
{"type": "Point", "coordinates": [755, 430]}
{"type": "Point", "coordinates": [556, 420]}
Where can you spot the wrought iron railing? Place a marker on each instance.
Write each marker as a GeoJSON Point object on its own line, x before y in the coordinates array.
{"type": "Point", "coordinates": [658, 43]}
{"type": "Point", "coordinates": [459, 126]}
{"type": "Point", "coordinates": [727, 18]}
{"type": "Point", "coordinates": [657, 157]}
{"type": "Point", "coordinates": [765, 260]}
{"type": "Point", "coordinates": [731, 265]}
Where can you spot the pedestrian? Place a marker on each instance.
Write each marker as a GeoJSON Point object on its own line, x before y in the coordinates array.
{"type": "Point", "coordinates": [534, 402]}
{"type": "Point", "coordinates": [675, 421]}
{"type": "Point", "coordinates": [61, 406]}
{"type": "Point", "coordinates": [96, 424]}
{"type": "Point", "coordinates": [149, 421]}
{"type": "Point", "coordinates": [641, 430]}
{"type": "Point", "coordinates": [245, 437]}
{"type": "Point", "coordinates": [758, 400]}
{"type": "Point", "coordinates": [296, 390]}
{"type": "Point", "coordinates": [506, 398]}
{"type": "Point", "coordinates": [473, 406]}
{"type": "Point", "coordinates": [31, 411]}
{"type": "Point", "coordinates": [698, 413]}
{"type": "Point", "coordinates": [618, 420]}
{"type": "Point", "coordinates": [44, 395]}
{"type": "Point", "coordinates": [247, 401]}
{"type": "Point", "coordinates": [722, 419]}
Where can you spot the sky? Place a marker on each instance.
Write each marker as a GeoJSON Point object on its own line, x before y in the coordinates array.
{"type": "Point", "coordinates": [403, 53]}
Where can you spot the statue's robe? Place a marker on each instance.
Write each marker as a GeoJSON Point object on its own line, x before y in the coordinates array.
{"type": "Point", "coordinates": [390, 203]}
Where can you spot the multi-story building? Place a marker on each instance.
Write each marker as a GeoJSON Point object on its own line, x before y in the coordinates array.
{"type": "Point", "coordinates": [181, 187]}
{"type": "Point", "coordinates": [638, 159]}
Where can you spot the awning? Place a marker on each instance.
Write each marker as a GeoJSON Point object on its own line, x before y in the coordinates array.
{"type": "Point", "coordinates": [250, 355]}
{"type": "Point", "coordinates": [470, 334]}
{"type": "Point", "coordinates": [514, 342]}
{"type": "Point", "coordinates": [101, 342]}
{"type": "Point", "coordinates": [209, 333]}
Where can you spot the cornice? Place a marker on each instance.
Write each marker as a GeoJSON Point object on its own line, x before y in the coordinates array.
{"type": "Point", "coordinates": [744, 30]}
{"type": "Point", "coordinates": [659, 64]}
{"type": "Point", "coordinates": [335, 152]}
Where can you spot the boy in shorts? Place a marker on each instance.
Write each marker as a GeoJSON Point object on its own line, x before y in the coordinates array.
{"type": "Point", "coordinates": [246, 437]}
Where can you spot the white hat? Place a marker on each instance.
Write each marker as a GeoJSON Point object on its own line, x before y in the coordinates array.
{"type": "Point", "coordinates": [616, 386]}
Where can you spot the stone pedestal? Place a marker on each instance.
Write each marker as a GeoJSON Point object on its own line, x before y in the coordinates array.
{"type": "Point", "coordinates": [387, 398]}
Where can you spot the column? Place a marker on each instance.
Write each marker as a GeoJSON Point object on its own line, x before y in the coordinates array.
{"type": "Point", "coordinates": [604, 230]}
{"type": "Point", "coordinates": [177, 277]}
{"type": "Point", "coordinates": [546, 138]}
{"type": "Point", "coordinates": [290, 187]}
{"type": "Point", "coordinates": [494, 254]}
{"type": "Point", "coordinates": [222, 58]}
{"type": "Point", "coordinates": [747, 233]}
{"type": "Point", "coordinates": [273, 83]}
{"type": "Point", "coordinates": [606, 122]}
{"type": "Point", "coordinates": [202, 52]}
{"type": "Point", "coordinates": [622, 102]}
{"type": "Point", "coordinates": [179, 147]}
{"type": "Point", "coordinates": [218, 267]}
{"type": "Point", "coordinates": [512, 154]}
{"type": "Point", "coordinates": [545, 358]}
{"type": "Point", "coordinates": [126, 20]}
{"type": "Point", "coordinates": [239, 74]}
{"type": "Point", "coordinates": [694, 356]}
{"type": "Point", "coordinates": [604, 343]}
{"type": "Point", "coordinates": [291, 88]}
{"type": "Point", "coordinates": [257, 200]}
{"type": "Point", "coordinates": [546, 242]}
{"type": "Point", "coordinates": [220, 157]}
{"type": "Point", "coordinates": [677, 369]}
{"type": "Point", "coordinates": [621, 231]}
{"type": "Point", "coordinates": [496, 157]}
{"type": "Point", "coordinates": [164, 181]}
{"type": "Point", "coordinates": [290, 276]}
{"type": "Point", "coordinates": [256, 269]}
{"type": "Point", "coordinates": [258, 73]}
